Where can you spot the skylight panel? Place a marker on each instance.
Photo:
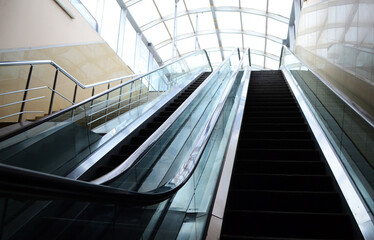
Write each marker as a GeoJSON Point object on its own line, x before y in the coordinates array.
{"type": "Point", "coordinates": [231, 40]}
{"type": "Point", "coordinates": [165, 52]}
{"type": "Point", "coordinates": [271, 64]}
{"type": "Point", "coordinates": [277, 29]}
{"type": "Point", "coordinates": [254, 4]}
{"type": "Point", "coordinates": [215, 56]}
{"type": "Point", "coordinates": [282, 8]}
{"type": "Point", "coordinates": [273, 47]}
{"type": "Point", "coordinates": [204, 22]}
{"type": "Point", "coordinates": [255, 43]}
{"type": "Point", "coordinates": [157, 34]}
{"type": "Point", "coordinates": [254, 23]}
{"type": "Point", "coordinates": [227, 53]}
{"type": "Point", "coordinates": [144, 12]}
{"type": "Point", "coordinates": [196, 4]}
{"type": "Point", "coordinates": [208, 41]}
{"type": "Point", "coordinates": [166, 7]}
{"type": "Point", "coordinates": [257, 60]}
{"type": "Point", "coordinates": [226, 3]}
{"type": "Point", "coordinates": [186, 45]}
{"type": "Point", "coordinates": [183, 26]}
{"type": "Point", "coordinates": [228, 20]}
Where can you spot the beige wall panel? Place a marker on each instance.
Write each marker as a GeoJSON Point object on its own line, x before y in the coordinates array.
{"type": "Point", "coordinates": [38, 23]}
{"type": "Point", "coordinates": [88, 63]}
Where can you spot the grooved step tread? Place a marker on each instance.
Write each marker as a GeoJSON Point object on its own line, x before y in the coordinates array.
{"type": "Point", "coordinates": [284, 201]}
{"type": "Point", "coordinates": [280, 167]}
{"type": "Point", "coordinates": [288, 225]}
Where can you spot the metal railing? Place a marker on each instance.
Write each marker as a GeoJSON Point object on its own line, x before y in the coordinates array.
{"type": "Point", "coordinates": [58, 70]}
{"type": "Point", "coordinates": [23, 102]}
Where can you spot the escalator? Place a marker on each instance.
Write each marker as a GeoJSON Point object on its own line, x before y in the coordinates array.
{"type": "Point", "coordinates": [281, 186]}
{"type": "Point", "coordinates": [138, 202]}
{"type": "Point", "coordinates": [132, 142]}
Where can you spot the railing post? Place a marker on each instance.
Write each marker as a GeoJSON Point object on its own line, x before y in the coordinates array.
{"type": "Point", "coordinates": [75, 93]}
{"type": "Point", "coordinates": [132, 84]}
{"type": "Point", "coordinates": [108, 85]}
{"type": "Point", "coordinates": [149, 83]}
{"type": "Point", "coordinates": [93, 91]}
{"type": "Point", "coordinates": [25, 93]}
{"type": "Point", "coordinates": [140, 92]}
{"type": "Point", "coordinates": [53, 93]}
{"type": "Point", "coordinates": [106, 107]}
{"type": "Point", "coordinates": [119, 99]}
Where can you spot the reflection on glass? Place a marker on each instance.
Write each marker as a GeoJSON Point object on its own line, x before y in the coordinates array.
{"type": "Point", "coordinates": [349, 133]}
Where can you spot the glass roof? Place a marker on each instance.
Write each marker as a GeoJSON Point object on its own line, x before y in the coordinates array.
{"type": "Point", "coordinates": [258, 24]}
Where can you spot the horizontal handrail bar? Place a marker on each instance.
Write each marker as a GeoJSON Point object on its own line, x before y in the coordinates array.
{"type": "Point", "coordinates": [18, 113]}
{"type": "Point", "coordinates": [27, 100]}
{"type": "Point", "coordinates": [23, 90]}
{"type": "Point", "coordinates": [63, 71]}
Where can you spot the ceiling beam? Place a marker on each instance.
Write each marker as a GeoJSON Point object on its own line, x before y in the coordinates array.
{"type": "Point", "coordinates": [137, 29]}
{"type": "Point", "coordinates": [216, 28]}
{"type": "Point", "coordinates": [227, 31]}
{"type": "Point", "coordinates": [217, 9]}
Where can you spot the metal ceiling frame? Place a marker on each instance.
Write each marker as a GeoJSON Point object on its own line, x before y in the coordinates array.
{"type": "Point", "coordinates": [256, 52]}
{"type": "Point", "coordinates": [212, 8]}
{"type": "Point", "coordinates": [217, 9]}
{"type": "Point", "coordinates": [226, 31]}
{"type": "Point", "coordinates": [217, 31]}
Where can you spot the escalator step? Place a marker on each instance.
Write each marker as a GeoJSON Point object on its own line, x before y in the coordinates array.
{"type": "Point", "coordinates": [281, 167]}
{"type": "Point", "coordinates": [116, 160]}
{"type": "Point", "coordinates": [260, 98]}
{"type": "Point", "coordinates": [287, 225]}
{"type": "Point", "coordinates": [154, 125]}
{"type": "Point", "coordinates": [138, 140]}
{"type": "Point", "coordinates": [254, 134]}
{"type": "Point", "coordinates": [279, 182]}
{"type": "Point", "coordinates": [255, 111]}
{"type": "Point", "coordinates": [249, 142]}
{"type": "Point", "coordinates": [276, 126]}
{"type": "Point", "coordinates": [128, 149]}
{"type": "Point", "coordinates": [166, 113]}
{"type": "Point", "coordinates": [284, 201]}
{"type": "Point", "coordinates": [274, 113]}
{"type": "Point", "coordinates": [274, 103]}
{"type": "Point", "coordinates": [170, 109]}
{"type": "Point", "coordinates": [179, 100]}
{"type": "Point", "coordinates": [270, 154]}
{"type": "Point", "coordinates": [176, 105]}
{"type": "Point", "coordinates": [254, 119]}
{"type": "Point", "coordinates": [102, 170]}
{"type": "Point", "coordinates": [160, 119]}
{"type": "Point", "coordinates": [146, 132]}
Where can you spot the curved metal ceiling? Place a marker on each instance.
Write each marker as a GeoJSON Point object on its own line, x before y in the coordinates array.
{"type": "Point", "coordinates": [215, 25]}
